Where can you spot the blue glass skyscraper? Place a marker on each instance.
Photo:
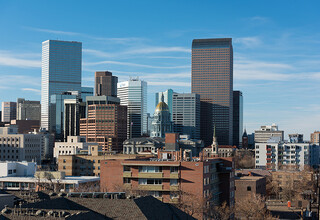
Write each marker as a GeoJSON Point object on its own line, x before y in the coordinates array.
{"type": "Point", "coordinates": [61, 72]}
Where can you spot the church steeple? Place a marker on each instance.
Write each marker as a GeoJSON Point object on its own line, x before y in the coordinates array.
{"type": "Point", "coordinates": [214, 144]}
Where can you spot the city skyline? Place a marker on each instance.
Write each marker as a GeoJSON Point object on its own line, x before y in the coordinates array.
{"type": "Point", "coordinates": [275, 52]}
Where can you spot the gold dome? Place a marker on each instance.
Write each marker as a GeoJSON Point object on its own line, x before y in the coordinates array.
{"type": "Point", "coordinates": [162, 106]}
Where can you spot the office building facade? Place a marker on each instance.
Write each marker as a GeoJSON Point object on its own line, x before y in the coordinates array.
{"type": "Point", "coordinates": [186, 114]}
{"type": "Point", "coordinates": [133, 94]}
{"type": "Point", "coordinates": [105, 83]}
{"type": "Point", "coordinates": [9, 111]}
{"type": "Point", "coordinates": [266, 132]}
{"type": "Point", "coordinates": [28, 110]}
{"type": "Point", "coordinates": [106, 125]}
{"type": "Point", "coordinates": [86, 91]}
{"type": "Point", "coordinates": [212, 79]}
{"type": "Point", "coordinates": [73, 111]}
{"type": "Point", "coordinates": [237, 118]}
{"type": "Point", "coordinates": [57, 112]}
{"type": "Point", "coordinates": [61, 72]}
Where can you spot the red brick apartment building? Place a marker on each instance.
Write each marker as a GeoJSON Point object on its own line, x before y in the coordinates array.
{"type": "Point", "coordinates": [166, 179]}
{"type": "Point", "coordinates": [106, 124]}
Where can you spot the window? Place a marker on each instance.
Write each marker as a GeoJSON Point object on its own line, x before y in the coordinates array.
{"type": "Point", "coordinates": [155, 193]}
{"type": "Point", "coordinates": [173, 182]}
{"type": "Point", "coordinates": [126, 169]}
{"type": "Point", "coordinates": [64, 160]}
{"type": "Point", "coordinates": [64, 167]}
{"type": "Point", "coordinates": [248, 188]}
{"type": "Point", "coordinates": [174, 169]}
{"type": "Point", "coordinates": [150, 181]}
{"type": "Point", "coordinates": [150, 169]}
{"type": "Point", "coordinates": [9, 171]}
{"type": "Point", "coordinates": [126, 180]}
{"type": "Point", "coordinates": [174, 195]}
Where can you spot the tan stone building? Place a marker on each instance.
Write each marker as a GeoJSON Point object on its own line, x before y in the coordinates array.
{"type": "Point", "coordinates": [88, 164]}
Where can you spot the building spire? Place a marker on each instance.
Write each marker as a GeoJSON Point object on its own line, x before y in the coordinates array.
{"type": "Point", "coordinates": [162, 98]}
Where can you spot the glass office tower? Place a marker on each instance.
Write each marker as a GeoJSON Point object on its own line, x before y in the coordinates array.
{"type": "Point", "coordinates": [237, 118]}
{"type": "Point", "coordinates": [133, 94]}
{"type": "Point", "coordinates": [212, 79]}
{"type": "Point", "coordinates": [61, 72]}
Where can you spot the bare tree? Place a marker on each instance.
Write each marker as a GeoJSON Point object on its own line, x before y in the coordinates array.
{"type": "Point", "coordinates": [253, 207]}
{"type": "Point", "coordinates": [193, 205]}
{"type": "Point", "coordinates": [222, 212]}
{"type": "Point", "coordinates": [244, 159]}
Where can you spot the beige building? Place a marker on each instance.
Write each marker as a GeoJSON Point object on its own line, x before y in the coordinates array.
{"type": "Point", "coordinates": [20, 147]}
{"type": "Point", "coordinates": [74, 145]}
{"type": "Point", "coordinates": [315, 137]}
{"type": "Point", "coordinates": [89, 164]}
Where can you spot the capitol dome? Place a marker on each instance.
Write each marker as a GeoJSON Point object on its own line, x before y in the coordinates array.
{"type": "Point", "coordinates": [162, 106]}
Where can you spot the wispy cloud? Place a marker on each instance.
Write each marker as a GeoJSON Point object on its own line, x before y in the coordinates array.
{"type": "Point", "coordinates": [248, 41]}
{"type": "Point", "coordinates": [19, 80]}
{"type": "Point", "coordinates": [8, 58]}
{"type": "Point", "coordinates": [98, 53]}
{"type": "Point", "coordinates": [150, 49]}
{"type": "Point", "coordinates": [134, 65]}
{"type": "Point", "coordinates": [118, 40]}
{"type": "Point", "coordinates": [53, 31]}
{"type": "Point", "coordinates": [38, 91]}
{"type": "Point", "coordinates": [259, 18]}
{"type": "Point", "coordinates": [169, 83]}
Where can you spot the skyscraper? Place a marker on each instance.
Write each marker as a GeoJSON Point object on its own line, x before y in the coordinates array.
{"type": "Point", "coordinates": [133, 94]}
{"type": "Point", "coordinates": [57, 113]}
{"type": "Point", "coordinates": [61, 72]}
{"type": "Point", "coordinates": [212, 79]}
{"type": "Point", "coordinates": [9, 111]}
{"type": "Point", "coordinates": [105, 84]}
{"type": "Point", "coordinates": [237, 117]}
{"type": "Point", "coordinates": [186, 114]}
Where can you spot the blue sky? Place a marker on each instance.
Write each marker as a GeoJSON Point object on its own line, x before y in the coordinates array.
{"type": "Point", "coordinates": [276, 49]}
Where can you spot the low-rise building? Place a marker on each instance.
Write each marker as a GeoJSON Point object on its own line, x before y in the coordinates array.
{"type": "Point", "coordinates": [153, 144]}
{"type": "Point", "coordinates": [276, 154]}
{"type": "Point", "coordinates": [267, 131]}
{"type": "Point", "coordinates": [88, 163]}
{"type": "Point", "coordinates": [246, 185]}
{"type": "Point", "coordinates": [20, 147]}
{"type": "Point", "coordinates": [74, 145]}
{"type": "Point", "coordinates": [172, 176]}
{"type": "Point", "coordinates": [143, 144]}
{"type": "Point", "coordinates": [16, 168]}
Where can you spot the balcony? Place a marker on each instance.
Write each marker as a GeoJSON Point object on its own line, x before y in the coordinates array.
{"type": "Point", "coordinates": [150, 175]}
{"type": "Point", "coordinates": [174, 175]}
{"type": "Point", "coordinates": [127, 174]}
{"type": "Point", "coordinates": [174, 200]}
{"type": "Point", "coordinates": [269, 159]}
{"type": "Point", "coordinates": [174, 188]}
{"type": "Point", "coordinates": [151, 187]}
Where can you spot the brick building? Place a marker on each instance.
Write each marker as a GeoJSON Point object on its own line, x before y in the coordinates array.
{"type": "Point", "coordinates": [167, 179]}
{"type": "Point", "coordinates": [246, 185]}
{"type": "Point", "coordinates": [106, 124]}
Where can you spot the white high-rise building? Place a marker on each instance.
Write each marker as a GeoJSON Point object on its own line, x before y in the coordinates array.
{"type": "Point", "coordinates": [133, 94]}
{"type": "Point", "coordinates": [61, 72]}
